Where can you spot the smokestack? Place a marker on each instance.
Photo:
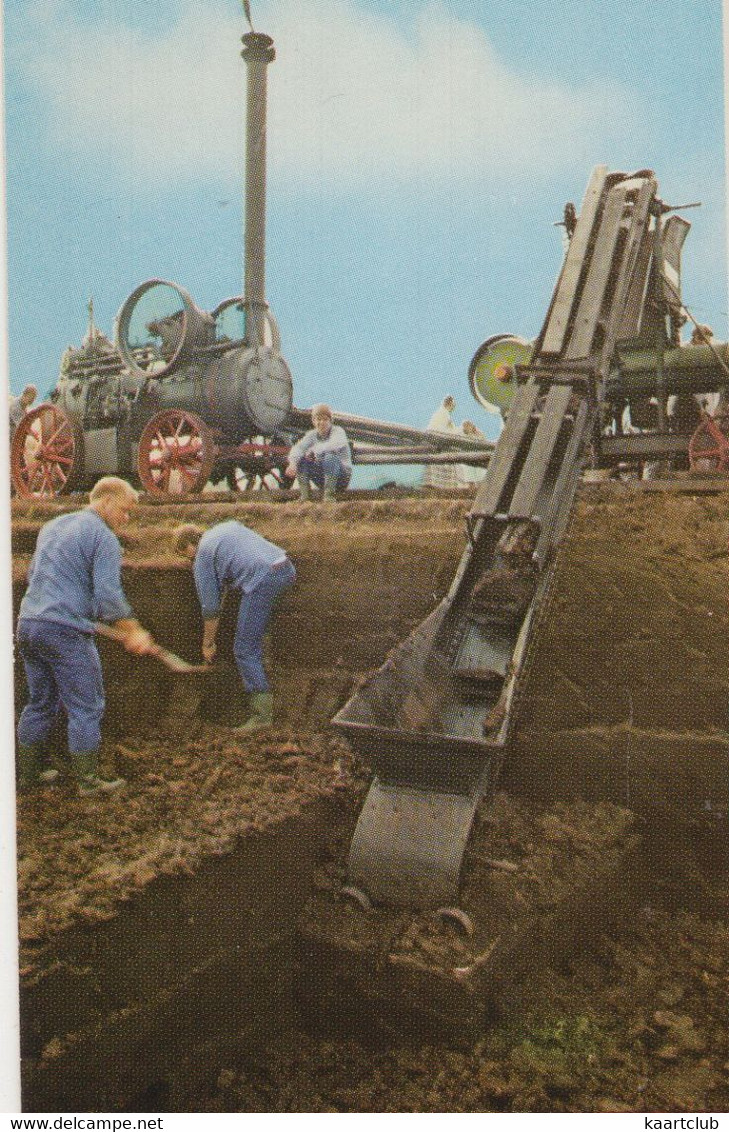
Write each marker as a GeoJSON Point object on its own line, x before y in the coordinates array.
{"type": "Point", "coordinates": [258, 51]}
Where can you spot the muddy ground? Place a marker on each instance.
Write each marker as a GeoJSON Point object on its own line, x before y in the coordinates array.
{"type": "Point", "coordinates": [638, 1023]}
{"type": "Point", "coordinates": [185, 801]}
{"type": "Point", "coordinates": [625, 706]}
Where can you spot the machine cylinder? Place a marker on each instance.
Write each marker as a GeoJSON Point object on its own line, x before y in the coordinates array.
{"type": "Point", "coordinates": [247, 392]}
{"type": "Point", "coordinates": [686, 369]}
{"type": "Point", "coordinates": [258, 52]}
{"type": "Point", "coordinates": [241, 393]}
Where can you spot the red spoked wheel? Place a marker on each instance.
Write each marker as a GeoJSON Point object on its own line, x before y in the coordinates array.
{"type": "Point", "coordinates": [709, 445]}
{"type": "Point", "coordinates": [259, 466]}
{"type": "Point", "coordinates": [176, 453]}
{"type": "Point", "coordinates": [46, 456]}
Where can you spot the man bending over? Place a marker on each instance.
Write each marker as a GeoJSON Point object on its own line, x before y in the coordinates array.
{"type": "Point", "coordinates": [230, 555]}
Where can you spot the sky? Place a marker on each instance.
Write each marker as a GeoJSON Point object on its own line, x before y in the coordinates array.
{"type": "Point", "coordinates": [419, 155]}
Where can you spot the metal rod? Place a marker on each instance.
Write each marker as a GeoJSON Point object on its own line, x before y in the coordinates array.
{"type": "Point", "coordinates": [367, 449]}
{"type": "Point", "coordinates": [364, 428]}
{"type": "Point", "coordinates": [395, 457]}
{"type": "Point", "coordinates": [661, 325]}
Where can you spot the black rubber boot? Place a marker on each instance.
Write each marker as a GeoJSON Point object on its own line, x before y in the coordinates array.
{"type": "Point", "coordinates": [330, 489]}
{"type": "Point", "coordinates": [29, 767]}
{"type": "Point", "coordinates": [85, 765]}
{"type": "Point", "coordinates": [261, 712]}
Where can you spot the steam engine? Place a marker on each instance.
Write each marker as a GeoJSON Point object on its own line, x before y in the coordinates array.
{"type": "Point", "coordinates": [183, 397]}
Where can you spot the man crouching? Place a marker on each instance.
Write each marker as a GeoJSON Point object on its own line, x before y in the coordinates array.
{"type": "Point", "coordinates": [233, 556]}
{"type": "Point", "coordinates": [323, 457]}
{"type": "Point", "coordinates": [73, 581]}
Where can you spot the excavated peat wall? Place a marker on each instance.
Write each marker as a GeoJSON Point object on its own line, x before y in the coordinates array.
{"type": "Point", "coordinates": [628, 694]}
{"type": "Point", "coordinates": [365, 578]}
{"type": "Point", "coordinates": [158, 927]}
{"type": "Point", "coordinates": [147, 1000]}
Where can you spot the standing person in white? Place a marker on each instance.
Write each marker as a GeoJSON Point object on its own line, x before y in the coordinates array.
{"type": "Point", "coordinates": [471, 473]}
{"type": "Point", "coordinates": [442, 475]}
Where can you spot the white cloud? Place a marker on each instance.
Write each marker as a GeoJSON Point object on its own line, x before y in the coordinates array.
{"type": "Point", "coordinates": [353, 96]}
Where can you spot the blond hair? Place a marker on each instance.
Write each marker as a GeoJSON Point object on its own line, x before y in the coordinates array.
{"type": "Point", "coordinates": [322, 411]}
{"type": "Point", "coordinates": [112, 487]}
{"type": "Point", "coordinates": [189, 534]}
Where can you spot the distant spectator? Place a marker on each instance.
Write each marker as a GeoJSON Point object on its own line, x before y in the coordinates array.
{"type": "Point", "coordinates": [442, 419]}
{"type": "Point", "coordinates": [713, 403]}
{"type": "Point", "coordinates": [19, 407]}
{"type": "Point", "coordinates": [701, 335]}
{"type": "Point", "coordinates": [443, 475]}
{"type": "Point", "coordinates": [322, 457]}
{"type": "Point", "coordinates": [471, 473]}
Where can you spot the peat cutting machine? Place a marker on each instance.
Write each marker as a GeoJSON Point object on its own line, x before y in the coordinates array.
{"type": "Point", "coordinates": [434, 720]}
{"type": "Point", "coordinates": [186, 396]}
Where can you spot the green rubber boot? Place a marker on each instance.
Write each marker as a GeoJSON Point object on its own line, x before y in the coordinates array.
{"type": "Point", "coordinates": [330, 489]}
{"type": "Point", "coordinates": [261, 712]}
{"type": "Point", "coordinates": [30, 760]}
{"type": "Point", "coordinates": [304, 491]}
{"type": "Point", "coordinates": [85, 766]}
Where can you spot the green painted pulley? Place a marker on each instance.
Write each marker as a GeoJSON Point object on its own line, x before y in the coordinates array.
{"type": "Point", "coordinates": [491, 373]}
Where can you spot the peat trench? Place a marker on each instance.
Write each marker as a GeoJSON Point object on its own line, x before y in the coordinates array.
{"type": "Point", "coordinates": [178, 942]}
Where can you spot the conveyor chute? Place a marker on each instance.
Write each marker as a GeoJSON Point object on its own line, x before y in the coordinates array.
{"type": "Point", "coordinates": [434, 720]}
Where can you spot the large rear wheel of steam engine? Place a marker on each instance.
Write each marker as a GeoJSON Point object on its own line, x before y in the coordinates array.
{"type": "Point", "coordinates": [260, 467]}
{"type": "Point", "coordinates": [176, 453]}
{"type": "Point", "coordinates": [709, 445]}
{"type": "Point", "coordinates": [46, 455]}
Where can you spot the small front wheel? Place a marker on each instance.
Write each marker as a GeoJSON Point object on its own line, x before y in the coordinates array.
{"type": "Point", "coordinates": [176, 453]}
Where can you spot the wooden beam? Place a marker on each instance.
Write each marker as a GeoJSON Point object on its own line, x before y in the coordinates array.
{"type": "Point", "coordinates": [593, 293]}
{"type": "Point", "coordinates": [535, 466]}
{"type": "Point", "coordinates": [489, 493]}
{"type": "Point", "coordinates": [566, 290]}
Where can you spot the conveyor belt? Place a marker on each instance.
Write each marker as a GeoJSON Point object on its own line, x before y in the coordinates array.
{"type": "Point", "coordinates": [434, 720]}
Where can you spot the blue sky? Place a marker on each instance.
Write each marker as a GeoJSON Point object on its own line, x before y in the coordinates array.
{"type": "Point", "coordinates": [418, 155]}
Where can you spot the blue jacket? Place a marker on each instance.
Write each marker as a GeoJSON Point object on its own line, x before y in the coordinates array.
{"type": "Point", "coordinates": [230, 554]}
{"type": "Point", "coordinates": [75, 573]}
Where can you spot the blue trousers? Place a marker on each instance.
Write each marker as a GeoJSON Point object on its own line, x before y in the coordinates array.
{"type": "Point", "coordinates": [328, 465]}
{"type": "Point", "coordinates": [253, 616]}
{"type": "Point", "coordinates": [63, 669]}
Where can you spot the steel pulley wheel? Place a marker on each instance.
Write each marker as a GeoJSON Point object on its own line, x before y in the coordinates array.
{"type": "Point", "coordinates": [355, 897]}
{"type": "Point", "coordinates": [259, 467]}
{"type": "Point", "coordinates": [709, 445]}
{"type": "Point", "coordinates": [492, 373]}
{"type": "Point", "coordinates": [46, 455]}
{"type": "Point", "coordinates": [455, 918]}
{"type": "Point", "coordinates": [176, 453]}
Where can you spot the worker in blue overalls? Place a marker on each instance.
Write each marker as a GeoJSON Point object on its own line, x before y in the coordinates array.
{"type": "Point", "coordinates": [230, 555]}
{"type": "Point", "coordinates": [74, 580]}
